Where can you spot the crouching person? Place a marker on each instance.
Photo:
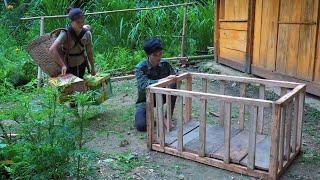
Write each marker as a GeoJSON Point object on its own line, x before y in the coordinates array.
{"type": "Point", "coordinates": [150, 71]}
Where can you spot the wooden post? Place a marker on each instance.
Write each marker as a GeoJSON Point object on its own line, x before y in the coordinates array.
{"type": "Point", "coordinates": [159, 102]}
{"type": "Point", "coordinates": [185, 14]}
{"type": "Point", "coordinates": [282, 127]}
{"type": "Point", "coordinates": [204, 85]}
{"type": "Point", "coordinates": [287, 149]}
{"type": "Point", "coordinates": [216, 30]}
{"type": "Point", "coordinates": [40, 73]}
{"type": "Point", "coordinates": [169, 113]}
{"type": "Point", "coordinates": [150, 117]}
{"type": "Point", "coordinates": [273, 165]}
{"type": "Point", "coordinates": [281, 140]}
{"type": "Point", "coordinates": [260, 109]}
{"type": "Point", "coordinates": [300, 118]}
{"type": "Point", "coordinates": [202, 127]}
{"type": "Point", "coordinates": [250, 35]}
{"type": "Point", "coordinates": [242, 106]}
{"type": "Point", "coordinates": [203, 120]}
{"type": "Point", "coordinates": [252, 138]}
{"type": "Point", "coordinates": [180, 123]}
{"type": "Point", "coordinates": [188, 103]}
{"type": "Point", "coordinates": [295, 123]}
{"type": "Point", "coordinates": [222, 91]}
{"type": "Point", "coordinates": [227, 131]}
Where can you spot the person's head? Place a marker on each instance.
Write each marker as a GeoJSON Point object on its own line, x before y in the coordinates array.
{"type": "Point", "coordinates": [77, 18]}
{"type": "Point", "coordinates": [153, 49]}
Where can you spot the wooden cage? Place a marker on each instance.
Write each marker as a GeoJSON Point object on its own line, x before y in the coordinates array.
{"type": "Point", "coordinates": [275, 39]}
{"type": "Point", "coordinates": [251, 143]}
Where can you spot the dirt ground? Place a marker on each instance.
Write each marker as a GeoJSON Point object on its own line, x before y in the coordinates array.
{"type": "Point", "coordinates": [122, 152]}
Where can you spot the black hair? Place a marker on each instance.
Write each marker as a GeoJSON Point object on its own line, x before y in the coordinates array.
{"type": "Point", "coordinates": [74, 13]}
{"type": "Point", "coordinates": [152, 45]}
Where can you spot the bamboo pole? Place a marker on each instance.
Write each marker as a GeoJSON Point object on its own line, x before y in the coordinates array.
{"type": "Point", "coordinates": [40, 73]}
{"type": "Point", "coordinates": [184, 31]}
{"type": "Point", "coordinates": [113, 11]}
{"type": "Point", "coordinates": [5, 3]}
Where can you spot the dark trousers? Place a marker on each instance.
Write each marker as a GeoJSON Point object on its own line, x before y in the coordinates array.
{"type": "Point", "coordinates": [78, 70]}
{"type": "Point", "coordinates": [140, 115]}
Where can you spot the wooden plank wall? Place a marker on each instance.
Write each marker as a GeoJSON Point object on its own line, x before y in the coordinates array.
{"type": "Point", "coordinates": [265, 34]}
{"type": "Point", "coordinates": [285, 37]}
{"type": "Point", "coordinates": [233, 17]}
{"type": "Point", "coordinates": [297, 38]}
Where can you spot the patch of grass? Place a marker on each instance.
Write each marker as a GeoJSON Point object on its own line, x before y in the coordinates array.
{"type": "Point", "coordinates": [271, 95]}
{"type": "Point", "coordinates": [124, 162]}
{"type": "Point", "coordinates": [310, 156]}
{"type": "Point", "coordinates": [311, 125]}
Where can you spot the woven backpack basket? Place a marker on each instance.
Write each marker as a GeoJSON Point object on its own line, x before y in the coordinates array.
{"type": "Point", "coordinates": [39, 51]}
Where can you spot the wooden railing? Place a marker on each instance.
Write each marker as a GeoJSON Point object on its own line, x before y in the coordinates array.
{"type": "Point", "coordinates": [284, 144]}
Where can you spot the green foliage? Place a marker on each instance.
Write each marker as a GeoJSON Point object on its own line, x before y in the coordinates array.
{"type": "Point", "coordinates": [124, 162]}
{"type": "Point", "coordinates": [50, 142]}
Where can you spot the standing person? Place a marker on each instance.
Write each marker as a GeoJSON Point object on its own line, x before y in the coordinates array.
{"type": "Point", "coordinates": [150, 71]}
{"type": "Point", "coordinates": [77, 44]}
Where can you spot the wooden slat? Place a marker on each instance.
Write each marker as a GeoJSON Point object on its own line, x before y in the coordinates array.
{"type": "Point", "coordinates": [159, 102]}
{"type": "Point", "coordinates": [216, 97]}
{"type": "Point", "coordinates": [217, 13]}
{"type": "Point", "coordinates": [260, 122]}
{"type": "Point", "coordinates": [288, 120]}
{"type": "Point", "coordinates": [188, 100]}
{"type": "Point", "coordinates": [300, 118]}
{"type": "Point", "coordinates": [257, 33]}
{"type": "Point", "coordinates": [202, 127]}
{"type": "Point", "coordinates": [204, 85]}
{"type": "Point", "coordinates": [295, 123]}
{"type": "Point", "coordinates": [272, 83]}
{"type": "Point", "coordinates": [286, 13]}
{"type": "Point", "coordinates": [214, 139]}
{"type": "Point", "coordinates": [171, 137]}
{"type": "Point", "coordinates": [317, 61]}
{"type": "Point", "coordinates": [167, 82]}
{"type": "Point", "coordinates": [269, 31]}
{"type": "Point", "coordinates": [287, 52]}
{"type": "Point", "coordinates": [281, 134]}
{"type": "Point", "coordinates": [285, 99]}
{"type": "Point", "coordinates": [169, 113]}
{"type": "Point", "coordinates": [180, 123]}
{"type": "Point", "coordinates": [231, 54]}
{"type": "Point", "coordinates": [240, 26]}
{"type": "Point", "coordinates": [252, 138]}
{"type": "Point", "coordinates": [222, 107]}
{"type": "Point", "coordinates": [233, 39]}
{"type": "Point", "coordinates": [306, 52]}
{"type": "Point", "coordinates": [250, 35]}
{"type": "Point", "coordinates": [275, 130]}
{"type": "Point", "coordinates": [227, 131]}
{"type": "Point", "coordinates": [262, 155]}
{"type": "Point", "coordinates": [150, 117]}
{"type": "Point", "coordinates": [238, 147]}
{"type": "Point", "coordinates": [213, 162]}
{"type": "Point", "coordinates": [242, 106]}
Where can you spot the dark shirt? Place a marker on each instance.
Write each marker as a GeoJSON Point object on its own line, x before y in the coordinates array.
{"type": "Point", "coordinates": [147, 75]}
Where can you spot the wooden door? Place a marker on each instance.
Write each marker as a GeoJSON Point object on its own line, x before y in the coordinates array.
{"type": "Point", "coordinates": [232, 32]}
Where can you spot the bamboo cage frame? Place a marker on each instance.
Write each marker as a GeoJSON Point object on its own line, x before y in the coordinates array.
{"type": "Point", "coordinates": [286, 122]}
{"type": "Point", "coordinates": [185, 5]}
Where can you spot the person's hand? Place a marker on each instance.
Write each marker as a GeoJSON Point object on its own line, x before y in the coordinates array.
{"type": "Point", "coordinates": [171, 77]}
{"type": "Point", "coordinates": [168, 77]}
{"type": "Point", "coordinates": [63, 70]}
